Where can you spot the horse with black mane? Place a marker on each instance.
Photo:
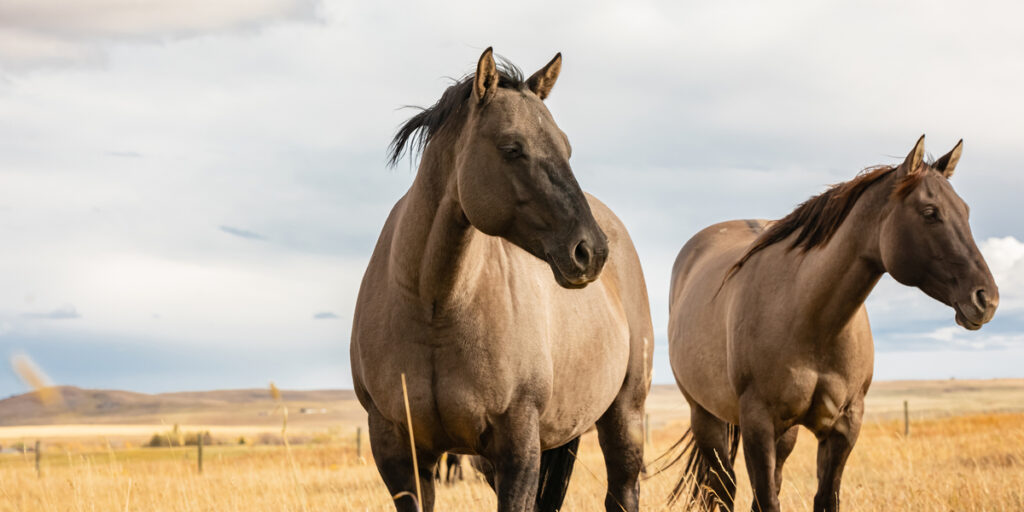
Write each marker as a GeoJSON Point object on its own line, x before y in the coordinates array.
{"type": "Point", "coordinates": [768, 330]}
{"type": "Point", "coordinates": [513, 302]}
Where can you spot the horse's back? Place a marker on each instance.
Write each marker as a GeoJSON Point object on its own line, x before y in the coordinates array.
{"type": "Point", "coordinates": [712, 248]}
{"type": "Point", "coordinates": [698, 305]}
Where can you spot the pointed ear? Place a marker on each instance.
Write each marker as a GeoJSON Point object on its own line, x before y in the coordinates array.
{"type": "Point", "coordinates": [544, 79]}
{"type": "Point", "coordinates": [947, 164]}
{"type": "Point", "coordinates": [485, 82]}
{"type": "Point", "coordinates": [912, 164]}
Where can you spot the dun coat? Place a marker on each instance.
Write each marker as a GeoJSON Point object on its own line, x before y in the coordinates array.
{"type": "Point", "coordinates": [768, 330]}
{"type": "Point", "coordinates": [513, 302]}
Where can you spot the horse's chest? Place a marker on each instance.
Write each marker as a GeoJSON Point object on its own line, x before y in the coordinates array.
{"type": "Point", "coordinates": [516, 347]}
{"type": "Point", "coordinates": [567, 362]}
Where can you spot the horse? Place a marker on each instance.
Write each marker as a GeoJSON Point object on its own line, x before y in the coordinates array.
{"type": "Point", "coordinates": [513, 303]}
{"type": "Point", "coordinates": [768, 329]}
{"type": "Point", "coordinates": [448, 468]}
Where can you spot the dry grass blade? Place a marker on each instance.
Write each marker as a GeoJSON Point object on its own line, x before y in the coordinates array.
{"type": "Point", "coordinates": [411, 496]}
{"type": "Point", "coordinates": [275, 394]}
{"type": "Point", "coordinates": [412, 443]}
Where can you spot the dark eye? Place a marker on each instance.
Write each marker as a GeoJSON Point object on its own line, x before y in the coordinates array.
{"type": "Point", "coordinates": [511, 151]}
{"type": "Point", "coordinates": [930, 213]}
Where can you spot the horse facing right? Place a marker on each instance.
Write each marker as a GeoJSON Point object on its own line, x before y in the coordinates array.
{"type": "Point", "coordinates": [768, 330]}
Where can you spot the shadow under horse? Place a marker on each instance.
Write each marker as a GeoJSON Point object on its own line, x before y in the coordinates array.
{"type": "Point", "coordinates": [513, 302]}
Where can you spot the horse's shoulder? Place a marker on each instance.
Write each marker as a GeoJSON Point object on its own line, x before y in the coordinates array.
{"type": "Point", "coordinates": [604, 215]}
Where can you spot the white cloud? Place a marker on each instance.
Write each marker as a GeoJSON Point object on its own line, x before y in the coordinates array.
{"type": "Point", "coordinates": [680, 115]}
{"type": "Point", "coordinates": [1005, 257]}
{"type": "Point", "coordinates": [905, 318]}
{"type": "Point", "coordinates": [34, 32]}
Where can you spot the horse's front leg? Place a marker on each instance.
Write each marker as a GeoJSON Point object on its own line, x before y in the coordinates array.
{"type": "Point", "coordinates": [834, 448]}
{"type": "Point", "coordinates": [391, 453]}
{"type": "Point", "coordinates": [516, 460]}
{"type": "Point", "coordinates": [759, 441]}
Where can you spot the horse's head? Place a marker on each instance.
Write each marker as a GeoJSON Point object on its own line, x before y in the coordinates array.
{"type": "Point", "coordinates": [514, 178]}
{"type": "Point", "coordinates": [926, 240]}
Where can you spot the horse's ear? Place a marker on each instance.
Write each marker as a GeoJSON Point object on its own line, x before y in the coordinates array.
{"type": "Point", "coordinates": [912, 164]}
{"type": "Point", "coordinates": [544, 79]}
{"type": "Point", "coordinates": [485, 82]}
{"type": "Point", "coordinates": [947, 164]}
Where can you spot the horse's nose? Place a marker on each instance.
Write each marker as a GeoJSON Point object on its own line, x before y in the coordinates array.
{"type": "Point", "coordinates": [986, 301]}
{"type": "Point", "coordinates": [582, 255]}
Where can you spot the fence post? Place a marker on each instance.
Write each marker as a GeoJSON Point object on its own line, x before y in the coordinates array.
{"type": "Point", "coordinates": [39, 455]}
{"type": "Point", "coordinates": [647, 428]}
{"type": "Point", "coordinates": [359, 443]}
{"type": "Point", "coordinates": [199, 449]}
{"type": "Point", "coordinates": [906, 419]}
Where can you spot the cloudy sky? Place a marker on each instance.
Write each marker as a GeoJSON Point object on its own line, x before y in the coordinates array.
{"type": "Point", "coordinates": [190, 191]}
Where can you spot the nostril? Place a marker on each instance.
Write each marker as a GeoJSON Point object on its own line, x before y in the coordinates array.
{"type": "Point", "coordinates": [980, 299]}
{"type": "Point", "coordinates": [581, 255]}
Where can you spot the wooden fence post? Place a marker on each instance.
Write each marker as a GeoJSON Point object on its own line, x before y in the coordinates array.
{"type": "Point", "coordinates": [906, 419]}
{"type": "Point", "coordinates": [39, 455]}
{"type": "Point", "coordinates": [647, 428]}
{"type": "Point", "coordinates": [359, 443]}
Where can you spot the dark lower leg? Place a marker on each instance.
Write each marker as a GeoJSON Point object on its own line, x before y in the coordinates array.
{"type": "Point", "coordinates": [834, 449]}
{"type": "Point", "coordinates": [783, 447]}
{"type": "Point", "coordinates": [515, 457]}
{"type": "Point", "coordinates": [759, 442]}
{"type": "Point", "coordinates": [393, 457]}
{"type": "Point", "coordinates": [621, 433]}
{"type": "Point", "coordinates": [516, 476]}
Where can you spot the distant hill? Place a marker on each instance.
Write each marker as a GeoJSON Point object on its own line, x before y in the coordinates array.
{"type": "Point", "coordinates": [113, 406]}
{"type": "Point", "coordinates": [332, 409]}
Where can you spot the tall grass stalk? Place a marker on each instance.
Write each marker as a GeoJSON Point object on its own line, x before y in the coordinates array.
{"type": "Point", "coordinates": [276, 395]}
{"type": "Point", "coordinates": [412, 444]}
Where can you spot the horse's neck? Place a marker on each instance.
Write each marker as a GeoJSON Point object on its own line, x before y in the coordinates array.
{"type": "Point", "coordinates": [833, 281]}
{"type": "Point", "coordinates": [431, 232]}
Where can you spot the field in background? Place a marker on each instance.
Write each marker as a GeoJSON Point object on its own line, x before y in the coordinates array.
{"type": "Point", "coordinates": [965, 452]}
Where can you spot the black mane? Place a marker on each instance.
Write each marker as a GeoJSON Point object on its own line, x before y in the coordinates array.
{"type": "Point", "coordinates": [414, 135]}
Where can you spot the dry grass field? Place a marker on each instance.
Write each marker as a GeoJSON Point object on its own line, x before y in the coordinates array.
{"type": "Point", "coordinates": [965, 453]}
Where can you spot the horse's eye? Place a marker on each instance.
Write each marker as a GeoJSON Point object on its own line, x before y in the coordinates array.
{"type": "Point", "coordinates": [511, 151]}
{"type": "Point", "coordinates": [930, 213]}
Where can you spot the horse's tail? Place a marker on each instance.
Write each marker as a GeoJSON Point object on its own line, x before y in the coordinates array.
{"type": "Point", "coordinates": [697, 471]}
{"type": "Point", "coordinates": [555, 470]}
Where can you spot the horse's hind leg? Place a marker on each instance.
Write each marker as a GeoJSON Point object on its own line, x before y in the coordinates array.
{"type": "Point", "coordinates": [390, 446]}
{"type": "Point", "coordinates": [834, 448]}
{"type": "Point", "coordinates": [714, 473]}
{"type": "Point", "coordinates": [621, 433]}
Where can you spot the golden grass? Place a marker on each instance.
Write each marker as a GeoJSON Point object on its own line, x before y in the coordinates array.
{"type": "Point", "coordinates": [965, 463]}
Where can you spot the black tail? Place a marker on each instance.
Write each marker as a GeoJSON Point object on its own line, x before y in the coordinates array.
{"type": "Point", "coordinates": [697, 471]}
{"type": "Point", "coordinates": [555, 470]}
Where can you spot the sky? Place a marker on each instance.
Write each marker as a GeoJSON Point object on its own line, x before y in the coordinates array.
{"type": "Point", "coordinates": [190, 191]}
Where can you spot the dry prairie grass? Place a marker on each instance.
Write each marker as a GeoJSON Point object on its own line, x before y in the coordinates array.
{"type": "Point", "coordinates": [965, 463]}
